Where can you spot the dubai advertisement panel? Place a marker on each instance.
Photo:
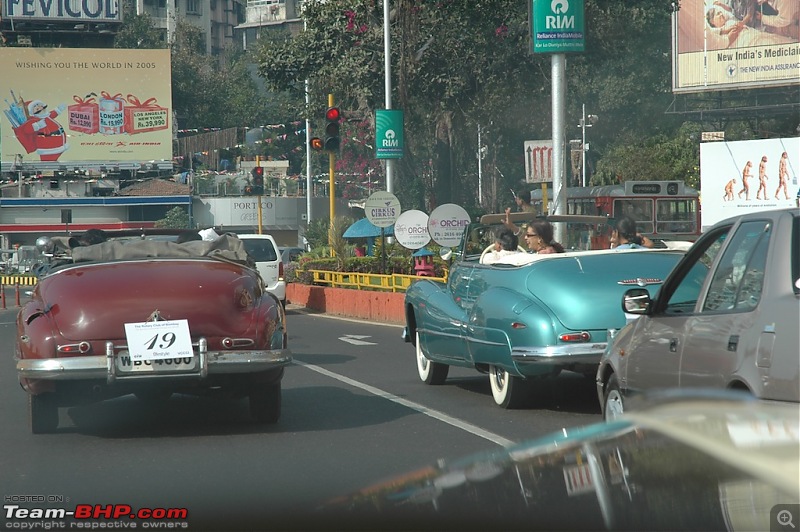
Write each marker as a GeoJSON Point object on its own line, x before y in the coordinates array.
{"type": "Point", "coordinates": [735, 44]}
{"type": "Point", "coordinates": [66, 106]}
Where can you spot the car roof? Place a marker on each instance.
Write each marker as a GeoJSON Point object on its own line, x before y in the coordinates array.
{"type": "Point", "coordinates": [254, 235]}
{"type": "Point", "coordinates": [758, 215]}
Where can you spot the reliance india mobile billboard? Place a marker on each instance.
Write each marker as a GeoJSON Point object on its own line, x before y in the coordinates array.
{"type": "Point", "coordinates": [747, 176]}
{"type": "Point", "coordinates": [715, 48]}
{"type": "Point", "coordinates": [81, 106]}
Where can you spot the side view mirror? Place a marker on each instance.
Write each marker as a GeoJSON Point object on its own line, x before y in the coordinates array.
{"type": "Point", "coordinates": [636, 301]}
{"type": "Point", "coordinates": [445, 254]}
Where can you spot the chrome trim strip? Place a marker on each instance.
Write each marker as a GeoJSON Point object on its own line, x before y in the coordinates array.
{"type": "Point", "coordinates": [102, 366]}
{"type": "Point", "coordinates": [559, 354]}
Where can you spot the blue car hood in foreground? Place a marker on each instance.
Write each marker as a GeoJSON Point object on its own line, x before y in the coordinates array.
{"type": "Point", "coordinates": [690, 464]}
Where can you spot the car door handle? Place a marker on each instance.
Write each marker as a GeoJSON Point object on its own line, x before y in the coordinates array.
{"type": "Point", "coordinates": [733, 342]}
{"type": "Point", "coordinates": [673, 345]}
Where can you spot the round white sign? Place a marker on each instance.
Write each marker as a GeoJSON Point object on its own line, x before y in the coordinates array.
{"type": "Point", "coordinates": [447, 224]}
{"type": "Point", "coordinates": [411, 229]}
{"type": "Point", "coordinates": [382, 208]}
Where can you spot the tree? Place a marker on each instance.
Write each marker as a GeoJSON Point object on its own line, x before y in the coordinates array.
{"type": "Point", "coordinates": [175, 218]}
{"type": "Point", "coordinates": [204, 92]}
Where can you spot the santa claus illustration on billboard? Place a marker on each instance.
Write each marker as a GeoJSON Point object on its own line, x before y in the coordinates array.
{"type": "Point", "coordinates": [37, 130]}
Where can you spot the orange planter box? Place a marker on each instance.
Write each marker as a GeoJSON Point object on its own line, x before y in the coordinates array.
{"type": "Point", "coordinates": [384, 307]}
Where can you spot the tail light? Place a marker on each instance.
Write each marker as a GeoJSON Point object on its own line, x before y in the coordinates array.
{"type": "Point", "coordinates": [280, 270]}
{"type": "Point", "coordinates": [575, 337]}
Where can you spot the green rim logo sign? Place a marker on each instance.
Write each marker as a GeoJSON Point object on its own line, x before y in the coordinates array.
{"type": "Point", "coordinates": [557, 26]}
{"type": "Point", "coordinates": [388, 134]}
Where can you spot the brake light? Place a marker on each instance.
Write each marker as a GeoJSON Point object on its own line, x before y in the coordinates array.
{"type": "Point", "coordinates": [83, 347]}
{"type": "Point", "coordinates": [575, 337]}
{"type": "Point", "coordinates": [280, 271]}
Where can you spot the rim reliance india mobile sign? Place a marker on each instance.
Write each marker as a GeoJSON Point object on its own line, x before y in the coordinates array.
{"type": "Point", "coordinates": [557, 26]}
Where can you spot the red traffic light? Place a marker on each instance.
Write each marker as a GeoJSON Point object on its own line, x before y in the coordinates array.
{"type": "Point", "coordinates": [332, 114]}
{"type": "Point", "coordinates": [258, 176]}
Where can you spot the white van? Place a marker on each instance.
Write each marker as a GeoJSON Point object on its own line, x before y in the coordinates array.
{"type": "Point", "coordinates": [264, 251]}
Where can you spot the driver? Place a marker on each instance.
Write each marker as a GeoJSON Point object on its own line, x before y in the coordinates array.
{"type": "Point", "coordinates": [505, 243]}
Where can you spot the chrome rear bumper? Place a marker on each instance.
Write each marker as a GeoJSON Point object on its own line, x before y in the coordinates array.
{"type": "Point", "coordinates": [560, 355]}
{"type": "Point", "coordinates": [103, 367]}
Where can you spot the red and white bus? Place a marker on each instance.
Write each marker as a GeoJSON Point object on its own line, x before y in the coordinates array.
{"type": "Point", "coordinates": [663, 210]}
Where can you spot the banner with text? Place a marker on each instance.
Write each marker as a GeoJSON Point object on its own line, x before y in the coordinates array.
{"type": "Point", "coordinates": [715, 46]}
{"type": "Point", "coordinates": [68, 105]}
{"type": "Point", "coordinates": [746, 176]}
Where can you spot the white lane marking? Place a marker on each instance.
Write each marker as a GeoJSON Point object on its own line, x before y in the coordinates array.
{"type": "Point", "coordinates": [356, 339]}
{"type": "Point", "coordinates": [435, 414]}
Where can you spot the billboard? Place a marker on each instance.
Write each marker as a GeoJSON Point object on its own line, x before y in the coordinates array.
{"type": "Point", "coordinates": [746, 176]}
{"type": "Point", "coordinates": [717, 46]}
{"type": "Point", "coordinates": [62, 10]}
{"type": "Point", "coordinates": [66, 106]}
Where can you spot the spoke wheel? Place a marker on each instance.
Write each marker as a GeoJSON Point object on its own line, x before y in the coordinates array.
{"type": "Point", "coordinates": [265, 403]}
{"type": "Point", "coordinates": [42, 413]}
{"type": "Point", "coordinates": [429, 372]}
{"type": "Point", "coordinates": [614, 405]}
{"type": "Point", "coordinates": [508, 391]}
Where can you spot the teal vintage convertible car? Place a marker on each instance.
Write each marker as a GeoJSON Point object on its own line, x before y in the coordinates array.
{"type": "Point", "coordinates": [526, 316]}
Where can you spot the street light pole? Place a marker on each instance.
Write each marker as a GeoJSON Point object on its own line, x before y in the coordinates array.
{"type": "Point", "coordinates": [583, 125]}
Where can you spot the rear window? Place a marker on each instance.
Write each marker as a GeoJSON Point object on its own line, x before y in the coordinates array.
{"type": "Point", "coordinates": [260, 249]}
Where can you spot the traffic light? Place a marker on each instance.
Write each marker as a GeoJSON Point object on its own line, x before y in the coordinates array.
{"type": "Point", "coordinates": [258, 181]}
{"type": "Point", "coordinates": [316, 144]}
{"type": "Point", "coordinates": [332, 116]}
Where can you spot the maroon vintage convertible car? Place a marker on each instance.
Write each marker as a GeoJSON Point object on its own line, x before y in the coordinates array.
{"type": "Point", "coordinates": [150, 318]}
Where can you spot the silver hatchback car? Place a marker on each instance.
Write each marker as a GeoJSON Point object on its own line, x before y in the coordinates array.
{"type": "Point", "coordinates": [727, 317]}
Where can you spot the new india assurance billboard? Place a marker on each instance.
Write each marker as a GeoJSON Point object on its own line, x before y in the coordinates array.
{"type": "Point", "coordinates": [66, 106]}
{"type": "Point", "coordinates": [733, 44]}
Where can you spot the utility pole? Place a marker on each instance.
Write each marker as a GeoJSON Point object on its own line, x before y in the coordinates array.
{"type": "Point", "coordinates": [387, 66]}
{"type": "Point", "coordinates": [332, 179]}
{"type": "Point", "coordinates": [480, 169]}
{"type": "Point", "coordinates": [258, 197]}
{"type": "Point", "coordinates": [586, 121]}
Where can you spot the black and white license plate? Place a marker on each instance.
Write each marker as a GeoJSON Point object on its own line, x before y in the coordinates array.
{"type": "Point", "coordinates": [167, 365]}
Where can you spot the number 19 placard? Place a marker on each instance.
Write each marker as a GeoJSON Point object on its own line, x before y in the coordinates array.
{"type": "Point", "coordinates": [158, 340]}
